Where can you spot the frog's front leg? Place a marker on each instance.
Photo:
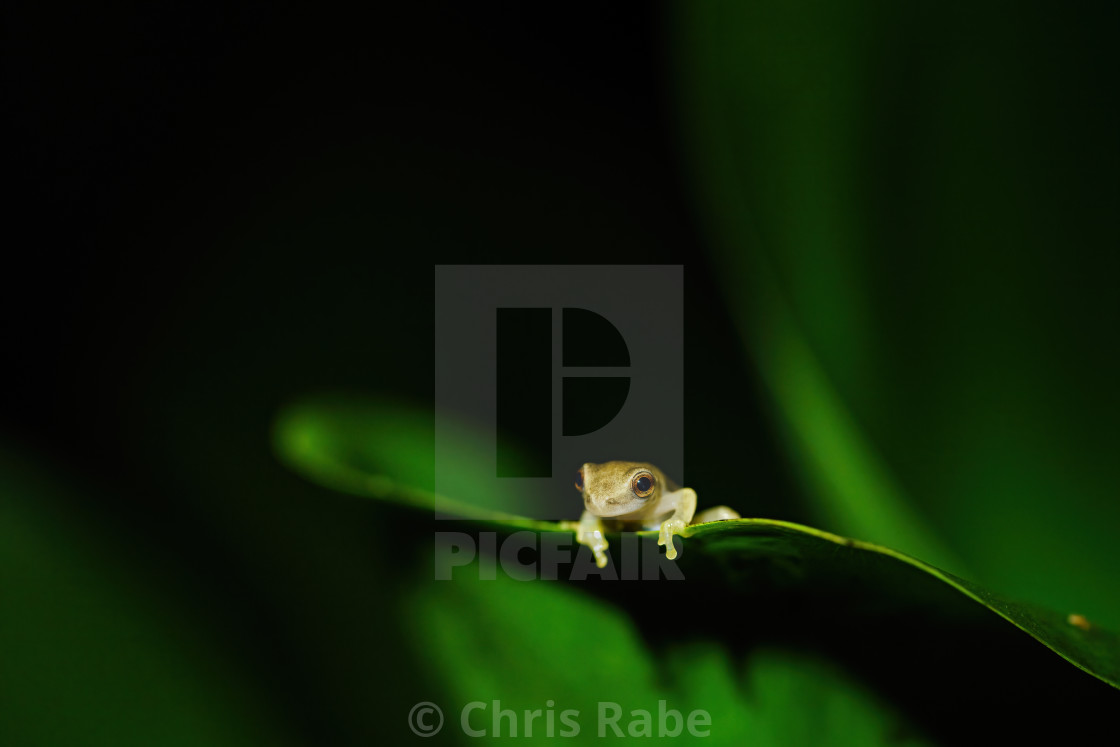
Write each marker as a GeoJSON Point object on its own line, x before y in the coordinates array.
{"type": "Point", "coordinates": [685, 498]}
{"type": "Point", "coordinates": [590, 532]}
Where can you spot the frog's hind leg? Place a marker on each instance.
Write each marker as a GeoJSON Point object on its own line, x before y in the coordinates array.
{"type": "Point", "coordinates": [716, 513]}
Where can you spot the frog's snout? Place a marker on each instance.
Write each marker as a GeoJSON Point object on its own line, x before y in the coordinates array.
{"type": "Point", "coordinates": [595, 503]}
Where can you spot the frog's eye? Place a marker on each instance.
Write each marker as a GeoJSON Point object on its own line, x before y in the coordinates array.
{"type": "Point", "coordinates": [642, 484]}
{"type": "Point", "coordinates": [579, 480]}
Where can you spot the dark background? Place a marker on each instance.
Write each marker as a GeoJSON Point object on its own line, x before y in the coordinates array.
{"type": "Point", "coordinates": [212, 212]}
{"type": "Point", "coordinates": [249, 187]}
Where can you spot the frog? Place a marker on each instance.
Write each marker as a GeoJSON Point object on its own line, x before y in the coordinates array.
{"type": "Point", "coordinates": [628, 496]}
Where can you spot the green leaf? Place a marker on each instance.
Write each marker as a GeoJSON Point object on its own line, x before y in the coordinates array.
{"type": "Point", "coordinates": [334, 440]}
{"type": "Point", "coordinates": [853, 486]}
{"type": "Point", "coordinates": [884, 187]}
{"type": "Point", "coordinates": [525, 647]}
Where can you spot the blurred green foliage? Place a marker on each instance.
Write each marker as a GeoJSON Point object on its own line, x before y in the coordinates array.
{"type": "Point", "coordinates": [904, 207]}
{"type": "Point", "coordinates": [527, 645]}
{"type": "Point", "coordinates": [96, 648]}
{"type": "Point", "coordinates": [909, 237]}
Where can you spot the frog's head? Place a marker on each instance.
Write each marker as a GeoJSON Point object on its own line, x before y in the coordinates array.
{"type": "Point", "coordinates": [618, 488]}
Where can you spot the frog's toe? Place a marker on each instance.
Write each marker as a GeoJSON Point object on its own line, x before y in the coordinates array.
{"type": "Point", "coordinates": [716, 513]}
{"type": "Point", "coordinates": [665, 539]}
{"type": "Point", "coordinates": [597, 543]}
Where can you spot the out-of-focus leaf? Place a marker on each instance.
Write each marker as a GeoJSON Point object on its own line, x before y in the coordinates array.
{"type": "Point", "coordinates": [384, 450]}
{"type": "Point", "coordinates": [886, 190]}
{"type": "Point", "coordinates": [491, 642]}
